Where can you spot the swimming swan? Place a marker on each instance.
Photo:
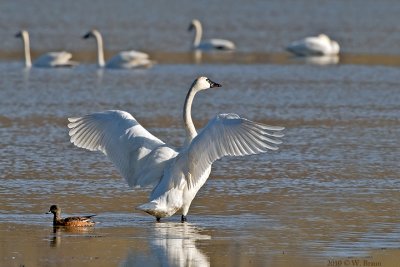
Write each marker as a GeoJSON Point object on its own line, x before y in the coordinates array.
{"type": "Point", "coordinates": [314, 46]}
{"type": "Point", "coordinates": [175, 174]}
{"type": "Point", "coordinates": [48, 60]}
{"type": "Point", "coordinates": [122, 60]}
{"type": "Point", "coordinates": [211, 44]}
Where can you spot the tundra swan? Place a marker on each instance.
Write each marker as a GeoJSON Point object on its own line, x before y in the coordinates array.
{"type": "Point", "coordinates": [122, 60]}
{"type": "Point", "coordinates": [211, 44]}
{"type": "Point", "coordinates": [320, 45]}
{"type": "Point", "coordinates": [175, 174]}
{"type": "Point", "coordinates": [48, 60]}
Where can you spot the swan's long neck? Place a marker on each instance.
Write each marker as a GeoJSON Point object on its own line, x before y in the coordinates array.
{"type": "Point", "coordinates": [100, 49]}
{"type": "Point", "coordinates": [27, 50]}
{"type": "Point", "coordinates": [198, 34]}
{"type": "Point", "coordinates": [187, 116]}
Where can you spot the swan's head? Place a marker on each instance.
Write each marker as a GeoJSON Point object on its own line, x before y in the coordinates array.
{"type": "Point", "coordinates": [203, 83]}
{"type": "Point", "coordinates": [90, 34]}
{"type": "Point", "coordinates": [335, 47]}
{"type": "Point", "coordinates": [195, 24]}
{"type": "Point", "coordinates": [324, 37]}
{"type": "Point", "coordinates": [21, 34]}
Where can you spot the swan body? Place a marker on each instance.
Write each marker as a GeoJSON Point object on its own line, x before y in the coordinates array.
{"type": "Point", "coordinates": [122, 60]}
{"type": "Point", "coordinates": [211, 44]}
{"type": "Point", "coordinates": [175, 175]}
{"type": "Point", "coordinates": [314, 46]}
{"type": "Point", "coordinates": [48, 60]}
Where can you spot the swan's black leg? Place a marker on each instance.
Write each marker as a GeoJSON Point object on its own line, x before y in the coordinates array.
{"type": "Point", "coordinates": [158, 219]}
{"type": "Point", "coordinates": [183, 218]}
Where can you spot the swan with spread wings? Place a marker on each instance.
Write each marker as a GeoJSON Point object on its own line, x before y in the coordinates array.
{"type": "Point", "coordinates": [176, 175]}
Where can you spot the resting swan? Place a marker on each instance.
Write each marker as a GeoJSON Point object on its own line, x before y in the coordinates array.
{"type": "Point", "coordinates": [320, 45]}
{"type": "Point", "coordinates": [211, 44]}
{"type": "Point", "coordinates": [48, 60]}
{"type": "Point", "coordinates": [122, 60]}
{"type": "Point", "coordinates": [175, 174]}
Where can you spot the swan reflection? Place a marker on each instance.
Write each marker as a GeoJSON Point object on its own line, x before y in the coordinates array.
{"type": "Point", "coordinates": [197, 56]}
{"type": "Point", "coordinates": [319, 60]}
{"type": "Point", "coordinates": [171, 244]}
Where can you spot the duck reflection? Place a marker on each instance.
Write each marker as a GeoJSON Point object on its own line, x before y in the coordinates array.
{"type": "Point", "coordinates": [58, 231]}
{"type": "Point", "coordinates": [171, 244]}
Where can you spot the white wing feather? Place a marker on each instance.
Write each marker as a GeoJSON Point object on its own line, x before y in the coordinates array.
{"type": "Point", "coordinates": [54, 59]}
{"type": "Point", "coordinates": [309, 46]}
{"type": "Point", "coordinates": [129, 59]}
{"type": "Point", "coordinates": [219, 44]}
{"type": "Point", "coordinates": [228, 135]}
{"type": "Point", "coordinates": [139, 156]}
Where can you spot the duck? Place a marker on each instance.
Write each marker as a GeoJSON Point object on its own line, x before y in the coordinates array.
{"type": "Point", "coordinates": [320, 45]}
{"type": "Point", "coordinates": [175, 175]}
{"type": "Point", "coordinates": [76, 221]}
{"type": "Point", "coordinates": [122, 60]}
{"type": "Point", "coordinates": [211, 44]}
{"type": "Point", "coordinates": [48, 60]}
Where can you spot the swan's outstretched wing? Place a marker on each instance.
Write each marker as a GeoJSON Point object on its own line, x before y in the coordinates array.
{"type": "Point", "coordinates": [228, 135]}
{"type": "Point", "coordinates": [139, 156]}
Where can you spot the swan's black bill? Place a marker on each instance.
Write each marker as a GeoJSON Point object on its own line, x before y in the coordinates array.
{"type": "Point", "coordinates": [214, 84]}
{"type": "Point", "coordinates": [86, 36]}
{"type": "Point", "coordinates": [18, 34]}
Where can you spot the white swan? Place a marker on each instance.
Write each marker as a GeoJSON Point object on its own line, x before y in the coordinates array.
{"type": "Point", "coordinates": [211, 44]}
{"type": "Point", "coordinates": [122, 60]}
{"type": "Point", "coordinates": [48, 60]}
{"type": "Point", "coordinates": [176, 174]}
{"type": "Point", "coordinates": [314, 46]}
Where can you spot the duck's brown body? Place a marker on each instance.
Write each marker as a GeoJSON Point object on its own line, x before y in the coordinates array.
{"type": "Point", "coordinates": [76, 221]}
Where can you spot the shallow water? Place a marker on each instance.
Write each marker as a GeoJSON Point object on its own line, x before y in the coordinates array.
{"type": "Point", "coordinates": [330, 192]}
{"type": "Point", "coordinates": [328, 197]}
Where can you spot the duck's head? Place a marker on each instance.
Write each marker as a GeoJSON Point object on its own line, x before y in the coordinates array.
{"type": "Point", "coordinates": [204, 83]}
{"type": "Point", "coordinates": [54, 209]}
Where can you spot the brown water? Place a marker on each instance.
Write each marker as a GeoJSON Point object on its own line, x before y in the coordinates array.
{"type": "Point", "coordinates": [329, 197]}
{"type": "Point", "coordinates": [331, 193]}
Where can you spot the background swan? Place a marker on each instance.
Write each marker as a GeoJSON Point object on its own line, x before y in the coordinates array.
{"type": "Point", "coordinates": [176, 174]}
{"type": "Point", "coordinates": [122, 60]}
{"type": "Point", "coordinates": [211, 44]}
{"type": "Point", "coordinates": [314, 46]}
{"type": "Point", "coordinates": [48, 60]}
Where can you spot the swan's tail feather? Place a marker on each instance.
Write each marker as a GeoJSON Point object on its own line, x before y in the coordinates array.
{"type": "Point", "coordinates": [152, 209]}
{"type": "Point", "coordinates": [155, 209]}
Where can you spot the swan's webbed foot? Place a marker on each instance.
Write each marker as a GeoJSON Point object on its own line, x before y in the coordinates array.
{"type": "Point", "coordinates": [158, 219]}
{"type": "Point", "coordinates": [183, 219]}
